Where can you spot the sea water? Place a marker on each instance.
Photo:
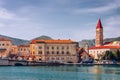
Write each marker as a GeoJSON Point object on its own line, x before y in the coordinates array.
{"type": "Point", "coordinates": [96, 72]}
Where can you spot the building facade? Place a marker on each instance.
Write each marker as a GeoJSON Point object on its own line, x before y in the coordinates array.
{"type": "Point", "coordinates": [54, 50]}
{"type": "Point", "coordinates": [23, 52]}
{"type": "Point", "coordinates": [5, 47]}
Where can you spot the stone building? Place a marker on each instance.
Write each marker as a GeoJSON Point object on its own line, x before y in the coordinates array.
{"type": "Point", "coordinates": [23, 52]}
{"type": "Point", "coordinates": [99, 34]}
{"type": "Point", "coordinates": [54, 50]}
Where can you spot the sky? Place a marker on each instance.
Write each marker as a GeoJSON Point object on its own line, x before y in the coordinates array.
{"type": "Point", "coordinates": [59, 19]}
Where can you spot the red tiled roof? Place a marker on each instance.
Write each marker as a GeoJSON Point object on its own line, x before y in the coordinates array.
{"type": "Point", "coordinates": [23, 46]}
{"type": "Point", "coordinates": [105, 47]}
{"type": "Point", "coordinates": [4, 39]}
{"type": "Point", "coordinates": [107, 43]}
{"type": "Point", "coordinates": [51, 41]}
{"type": "Point", "coordinates": [83, 52]}
{"type": "Point", "coordinates": [99, 25]}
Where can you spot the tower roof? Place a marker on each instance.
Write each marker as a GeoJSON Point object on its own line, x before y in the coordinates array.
{"type": "Point", "coordinates": [99, 24]}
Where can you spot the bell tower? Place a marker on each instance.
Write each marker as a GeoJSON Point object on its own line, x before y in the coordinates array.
{"type": "Point", "coordinates": [99, 34]}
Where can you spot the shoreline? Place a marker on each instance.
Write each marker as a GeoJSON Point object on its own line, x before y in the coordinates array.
{"type": "Point", "coordinates": [54, 64]}
{"type": "Point", "coordinates": [34, 63]}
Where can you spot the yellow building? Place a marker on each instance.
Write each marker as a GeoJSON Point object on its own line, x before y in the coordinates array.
{"type": "Point", "coordinates": [14, 49]}
{"type": "Point", "coordinates": [54, 50]}
{"type": "Point", "coordinates": [5, 47]}
{"type": "Point", "coordinates": [23, 52]}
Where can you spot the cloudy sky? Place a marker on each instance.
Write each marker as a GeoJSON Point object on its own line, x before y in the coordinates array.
{"type": "Point", "coordinates": [59, 19]}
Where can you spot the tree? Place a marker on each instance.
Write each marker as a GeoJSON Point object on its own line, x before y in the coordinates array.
{"type": "Point", "coordinates": [106, 56]}
{"type": "Point", "coordinates": [118, 54]}
{"type": "Point", "coordinates": [109, 55]}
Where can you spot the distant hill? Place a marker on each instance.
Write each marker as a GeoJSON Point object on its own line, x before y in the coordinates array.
{"type": "Point", "coordinates": [92, 42]}
{"type": "Point", "coordinates": [43, 37]}
{"type": "Point", "coordinates": [82, 43]}
{"type": "Point", "coordinates": [16, 41]}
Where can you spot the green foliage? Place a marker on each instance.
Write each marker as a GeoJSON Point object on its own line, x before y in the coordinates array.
{"type": "Point", "coordinates": [112, 55]}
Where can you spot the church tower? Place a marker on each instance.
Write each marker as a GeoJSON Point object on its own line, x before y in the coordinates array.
{"type": "Point", "coordinates": [99, 34]}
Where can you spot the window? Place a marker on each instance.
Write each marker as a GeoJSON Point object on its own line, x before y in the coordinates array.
{"type": "Point", "coordinates": [47, 52]}
{"type": "Point", "coordinates": [62, 58]}
{"type": "Point", "coordinates": [47, 47]}
{"type": "Point", "coordinates": [21, 49]}
{"type": "Point", "coordinates": [67, 52]}
{"type": "Point", "coordinates": [52, 47]}
{"type": "Point", "coordinates": [40, 52]}
{"type": "Point", "coordinates": [33, 52]}
{"type": "Point", "coordinates": [53, 58]}
{"type": "Point", "coordinates": [97, 51]}
{"type": "Point", "coordinates": [67, 47]}
{"type": "Point", "coordinates": [3, 44]}
{"type": "Point", "coordinates": [48, 58]}
{"type": "Point", "coordinates": [7, 44]}
{"type": "Point", "coordinates": [62, 52]}
{"type": "Point", "coordinates": [24, 49]}
{"type": "Point", "coordinates": [57, 58]}
{"type": "Point", "coordinates": [57, 52]}
{"type": "Point", "coordinates": [40, 59]}
{"type": "Point", "coordinates": [40, 47]}
{"type": "Point", "coordinates": [52, 52]}
{"type": "Point", "coordinates": [57, 47]}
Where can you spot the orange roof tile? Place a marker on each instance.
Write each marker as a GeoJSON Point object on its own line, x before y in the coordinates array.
{"type": "Point", "coordinates": [23, 46]}
{"type": "Point", "coordinates": [4, 39]}
{"type": "Point", "coordinates": [51, 41]}
{"type": "Point", "coordinates": [105, 47]}
{"type": "Point", "coordinates": [108, 43]}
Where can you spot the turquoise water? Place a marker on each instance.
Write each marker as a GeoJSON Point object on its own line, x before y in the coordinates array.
{"type": "Point", "coordinates": [60, 73]}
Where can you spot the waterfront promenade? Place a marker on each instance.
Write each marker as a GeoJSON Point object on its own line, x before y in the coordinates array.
{"type": "Point", "coordinates": [5, 62]}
